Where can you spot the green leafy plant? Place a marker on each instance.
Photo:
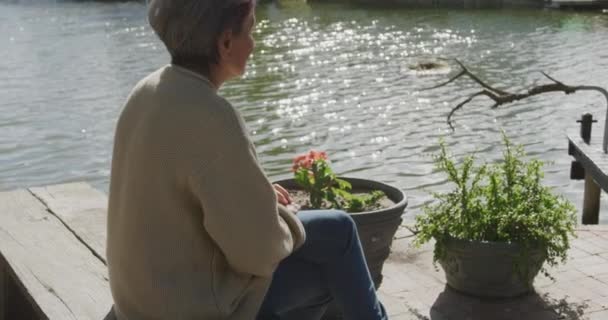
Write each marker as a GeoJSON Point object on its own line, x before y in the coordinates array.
{"type": "Point", "coordinates": [314, 175]}
{"type": "Point", "coordinates": [501, 202]}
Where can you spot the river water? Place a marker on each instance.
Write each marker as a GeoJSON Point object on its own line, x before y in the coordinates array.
{"type": "Point", "coordinates": [333, 77]}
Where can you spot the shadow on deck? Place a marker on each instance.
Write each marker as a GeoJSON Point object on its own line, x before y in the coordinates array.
{"type": "Point", "coordinates": [413, 289]}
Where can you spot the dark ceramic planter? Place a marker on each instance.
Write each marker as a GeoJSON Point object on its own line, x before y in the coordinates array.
{"type": "Point", "coordinates": [376, 228]}
{"type": "Point", "coordinates": [487, 269]}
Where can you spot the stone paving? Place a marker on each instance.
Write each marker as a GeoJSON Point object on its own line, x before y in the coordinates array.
{"type": "Point", "coordinates": [413, 290]}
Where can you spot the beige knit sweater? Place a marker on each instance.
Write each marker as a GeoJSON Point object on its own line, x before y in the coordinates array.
{"type": "Point", "coordinates": [194, 229]}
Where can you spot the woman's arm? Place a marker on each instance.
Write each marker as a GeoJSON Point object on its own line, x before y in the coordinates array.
{"type": "Point", "coordinates": [240, 208]}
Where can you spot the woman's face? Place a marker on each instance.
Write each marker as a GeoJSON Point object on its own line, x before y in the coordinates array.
{"type": "Point", "coordinates": [241, 48]}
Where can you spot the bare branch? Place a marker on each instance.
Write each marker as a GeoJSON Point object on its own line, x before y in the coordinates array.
{"type": "Point", "coordinates": [594, 88]}
{"type": "Point", "coordinates": [551, 78]}
{"type": "Point", "coordinates": [502, 97]}
{"type": "Point", "coordinates": [466, 72]}
{"type": "Point", "coordinates": [460, 105]}
{"type": "Point", "coordinates": [476, 79]}
{"type": "Point", "coordinates": [462, 73]}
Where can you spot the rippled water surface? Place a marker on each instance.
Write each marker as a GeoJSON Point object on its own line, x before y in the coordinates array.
{"type": "Point", "coordinates": [330, 77]}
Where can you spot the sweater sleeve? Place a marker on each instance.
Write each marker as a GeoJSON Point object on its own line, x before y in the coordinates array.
{"type": "Point", "coordinates": [240, 207]}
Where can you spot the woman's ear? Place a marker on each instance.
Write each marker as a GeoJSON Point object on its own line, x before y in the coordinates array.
{"type": "Point", "coordinates": [224, 44]}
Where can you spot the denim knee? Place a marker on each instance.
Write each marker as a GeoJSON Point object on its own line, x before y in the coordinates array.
{"type": "Point", "coordinates": [341, 221]}
{"type": "Point", "coordinates": [329, 234]}
{"type": "Point", "coordinates": [342, 226]}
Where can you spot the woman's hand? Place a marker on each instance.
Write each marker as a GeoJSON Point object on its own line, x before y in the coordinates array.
{"type": "Point", "coordinates": [282, 195]}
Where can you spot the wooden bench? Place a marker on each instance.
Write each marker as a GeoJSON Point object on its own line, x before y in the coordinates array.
{"type": "Point", "coordinates": [52, 249]}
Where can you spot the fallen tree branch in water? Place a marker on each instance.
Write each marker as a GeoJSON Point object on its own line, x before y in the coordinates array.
{"type": "Point", "coordinates": [501, 97]}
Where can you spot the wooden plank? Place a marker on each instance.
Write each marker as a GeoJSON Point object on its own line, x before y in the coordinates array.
{"type": "Point", "coordinates": [64, 279]}
{"type": "Point", "coordinates": [592, 158]}
{"type": "Point", "coordinates": [82, 209]}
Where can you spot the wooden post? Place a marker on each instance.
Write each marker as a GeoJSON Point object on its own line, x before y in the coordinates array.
{"type": "Point", "coordinates": [586, 123]}
{"type": "Point", "coordinates": [591, 199]}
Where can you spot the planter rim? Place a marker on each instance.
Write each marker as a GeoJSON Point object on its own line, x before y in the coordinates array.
{"type": "Point", "coordinates": [402, 203]}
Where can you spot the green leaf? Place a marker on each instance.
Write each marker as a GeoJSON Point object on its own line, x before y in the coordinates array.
{"type": "Point", "coordinates": [503, 202]}
{"type": "Point", "coordinates": [343, 184]}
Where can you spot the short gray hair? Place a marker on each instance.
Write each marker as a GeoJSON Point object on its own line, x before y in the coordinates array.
{"type": "Point", "coordinates": [189, 28]}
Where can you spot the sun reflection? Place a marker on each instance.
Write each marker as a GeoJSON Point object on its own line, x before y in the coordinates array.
{"type": "Point", "coordinates": [320, 77]}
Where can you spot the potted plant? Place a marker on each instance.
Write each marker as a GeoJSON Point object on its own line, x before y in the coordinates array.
{"type": "Point", "coordinates": [375, 207]}
{"type": "Point", "coordinates": [498, 225]}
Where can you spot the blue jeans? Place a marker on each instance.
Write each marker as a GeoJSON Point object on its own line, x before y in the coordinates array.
{"type": "Point", "coordinates": [329, 266]}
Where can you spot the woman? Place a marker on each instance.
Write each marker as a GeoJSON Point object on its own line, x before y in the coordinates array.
{"type": "Point", "coordinates": [195, 229]}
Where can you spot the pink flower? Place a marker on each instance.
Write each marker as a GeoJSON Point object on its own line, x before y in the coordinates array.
{"type": "Point", "coordinates": [316, 155]}
{"type": "Point", "coordinates": [306, 160]}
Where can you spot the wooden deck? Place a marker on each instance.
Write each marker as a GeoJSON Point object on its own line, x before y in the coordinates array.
{"type": "Point", "coordinates": [592, 158]}
{"type": "Point", "coordinates": [52, 243]}
{"type": "Point", "coordinates": [592, 165]}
